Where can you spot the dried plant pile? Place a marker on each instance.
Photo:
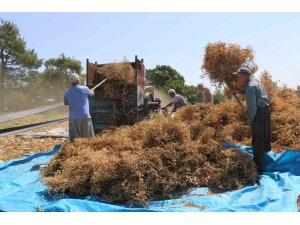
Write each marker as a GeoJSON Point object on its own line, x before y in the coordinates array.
{"type": "Point", "coordinates": [222, 59]}
{"type": "Point", "coordinates": [121, 77]}
{"type": "Point", "coordinates": [152, 160]}
{"type": "Point", "coordinates": [217, 123]}
{"type": "Point", "coordinates": [226, 121]}
{"type": "Point", "coordinates": [285, 116]}
{"type": "Point", "coordinates": [121, 72]}
{"type": "Point", "coordinates": [162, 158]}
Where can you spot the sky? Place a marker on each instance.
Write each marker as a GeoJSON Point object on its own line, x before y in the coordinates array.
{"type": "Point", "coordinates": [175, 39]}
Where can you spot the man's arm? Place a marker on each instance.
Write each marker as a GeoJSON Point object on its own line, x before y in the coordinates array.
{"type": "Point", "coordinates": [251, 102]}
{"type": "Point", "coordinates": [65, 100]}
{"type": "Point", "coordinates": [89, 92]}
{"type": "Point", "coordinates": [170, 104]}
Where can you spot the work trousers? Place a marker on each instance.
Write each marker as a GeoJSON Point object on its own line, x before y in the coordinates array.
{"type": "Point", "coordinates": [80, 128]}
{"type": "Point", "coordinates": [261, 131]}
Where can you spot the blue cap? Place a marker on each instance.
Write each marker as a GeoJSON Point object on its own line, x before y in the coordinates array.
{"type": "Point", "coordinates": [243, 70]}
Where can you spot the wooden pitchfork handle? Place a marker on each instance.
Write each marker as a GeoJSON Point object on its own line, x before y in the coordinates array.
{"type": "Point", "coordinates": [237, 99]}
{"type": "Point", "coordinates": [98, 84]}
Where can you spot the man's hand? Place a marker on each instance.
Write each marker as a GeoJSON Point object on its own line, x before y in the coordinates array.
{"type": "Point", "coordinates": [92, 91]}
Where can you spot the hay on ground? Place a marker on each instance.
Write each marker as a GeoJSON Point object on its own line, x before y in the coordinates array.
{"type": "Point", "coordinates": [152, 160]}
{"type": "Point", "coordinates": [163, 158]}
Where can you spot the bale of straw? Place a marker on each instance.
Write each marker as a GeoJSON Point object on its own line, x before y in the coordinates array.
{"type": "Point", "coordinates": [222, 59]}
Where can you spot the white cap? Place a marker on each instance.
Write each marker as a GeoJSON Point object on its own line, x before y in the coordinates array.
{"type": "Point", "coordinates": [171, 91]}
{"type": "Point", "coordinates": [74, 78]}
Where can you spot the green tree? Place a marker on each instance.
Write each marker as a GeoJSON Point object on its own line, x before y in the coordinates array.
{"type": "Point", "coordinates": [164, 77]}
{"type": "Point", "coordinates": [218, 96]}
{"type": "Point", "coordinates": [192, 94]}
{"type": "Point", "coordinates": [15, 59]}
{"type": "Point", "coordinates": [55, 76]}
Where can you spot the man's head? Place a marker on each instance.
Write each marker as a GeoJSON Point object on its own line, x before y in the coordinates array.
{"type": "Point", "coordinates": [172, 92]}
{"type": "Point", "coordinates": [74, 79]}
{"type": "Point", "coordinates": [242, 75]}
{"type": "Point", "coordinates": [200, 87]}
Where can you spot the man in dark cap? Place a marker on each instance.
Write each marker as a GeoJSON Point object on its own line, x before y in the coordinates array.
{"type": "Point", "coordinates": [258, 113]}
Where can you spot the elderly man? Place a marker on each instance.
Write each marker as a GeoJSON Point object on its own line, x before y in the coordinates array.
{"type": "Point", "coordinates": [178, 100]}
{"type": "Point", "coordinates": [207, 97]}
{"type": "Point", "coordinates": [80, 123]}
{"type": "Point", "coordinates": [258, 112]}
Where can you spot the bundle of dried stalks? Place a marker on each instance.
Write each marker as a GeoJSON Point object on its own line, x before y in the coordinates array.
{"type": "Point", "coordinates": [221, 60]}
{"type": "Point", "coordinates": [151, 160]}
{"type": "Point", "coordinates": [285, 116]}
{"type": "Point", "coordinates": [121, 78]}
{"type": "Point", "coordinates": [222, 122]}
{"type": "Point", "coordinates": [162, 158]}
{"type": "Point", "coordinates": [121, 72]}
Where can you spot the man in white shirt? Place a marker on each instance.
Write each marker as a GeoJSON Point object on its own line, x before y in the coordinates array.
{"type": "Point", "coordinates": [178, 101]}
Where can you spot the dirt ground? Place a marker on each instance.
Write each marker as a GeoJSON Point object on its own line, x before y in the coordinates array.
{"type": "Point", "coordinates": [13, 147]}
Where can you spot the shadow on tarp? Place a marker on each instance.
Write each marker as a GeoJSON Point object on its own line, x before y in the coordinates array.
{"type": "Point", "coordinates": [21, 190]}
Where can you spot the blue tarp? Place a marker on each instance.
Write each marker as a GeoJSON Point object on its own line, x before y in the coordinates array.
{"type": "Point", "coordinates": [21, 190]}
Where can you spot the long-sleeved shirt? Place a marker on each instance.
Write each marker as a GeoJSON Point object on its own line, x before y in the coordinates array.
{"type": "Point", "coordinates": [77, 99]}
{"type": "Point", "coordinates": [178, 102]}
{"type": "Point", "coordinates": [256, 97]}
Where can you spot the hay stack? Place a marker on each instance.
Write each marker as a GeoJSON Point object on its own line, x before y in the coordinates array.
{"type": "Point", "coordinates": [121, 72]}
{"type": "Point", "coordinates": [285, 115]}
{"type": "Point", "coordinates": [221, 60]}
{"type": "Point", "coordinates": [162, 158]}
{"type": "Point", "coordinates": [152, 160]}
{"type": "Point", "coordinates": [121, 79]}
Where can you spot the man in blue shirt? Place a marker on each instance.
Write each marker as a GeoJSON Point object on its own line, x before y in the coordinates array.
{"type": "Point", "coordinates": [258, 113]}
{"type": "Point", "coordinates": [80, 122]}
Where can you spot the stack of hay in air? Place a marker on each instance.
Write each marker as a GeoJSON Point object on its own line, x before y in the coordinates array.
{"type": "Point", "coordinates": [163, 158]}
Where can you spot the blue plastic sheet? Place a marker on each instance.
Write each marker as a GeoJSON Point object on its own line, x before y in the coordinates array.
{"type": "Point", "coordinates": [21, 190]}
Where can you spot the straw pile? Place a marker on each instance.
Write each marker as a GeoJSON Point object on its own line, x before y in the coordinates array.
{"type": "Point", "coordinates": [285, 115]}
{"type": "Point", "coordinates": [121, 76]}
{"type": "Point", "coordinates": [163, 158]}
{"type": "Point", "coordinates": [156, 159]}
{"type": "Point", "coordinates": [221, 60]}
{"type": "Point", "coordinates": [121, 72]}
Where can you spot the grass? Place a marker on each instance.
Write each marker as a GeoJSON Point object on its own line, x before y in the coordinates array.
{"type": "Point", "coordinates": [57, 113]}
